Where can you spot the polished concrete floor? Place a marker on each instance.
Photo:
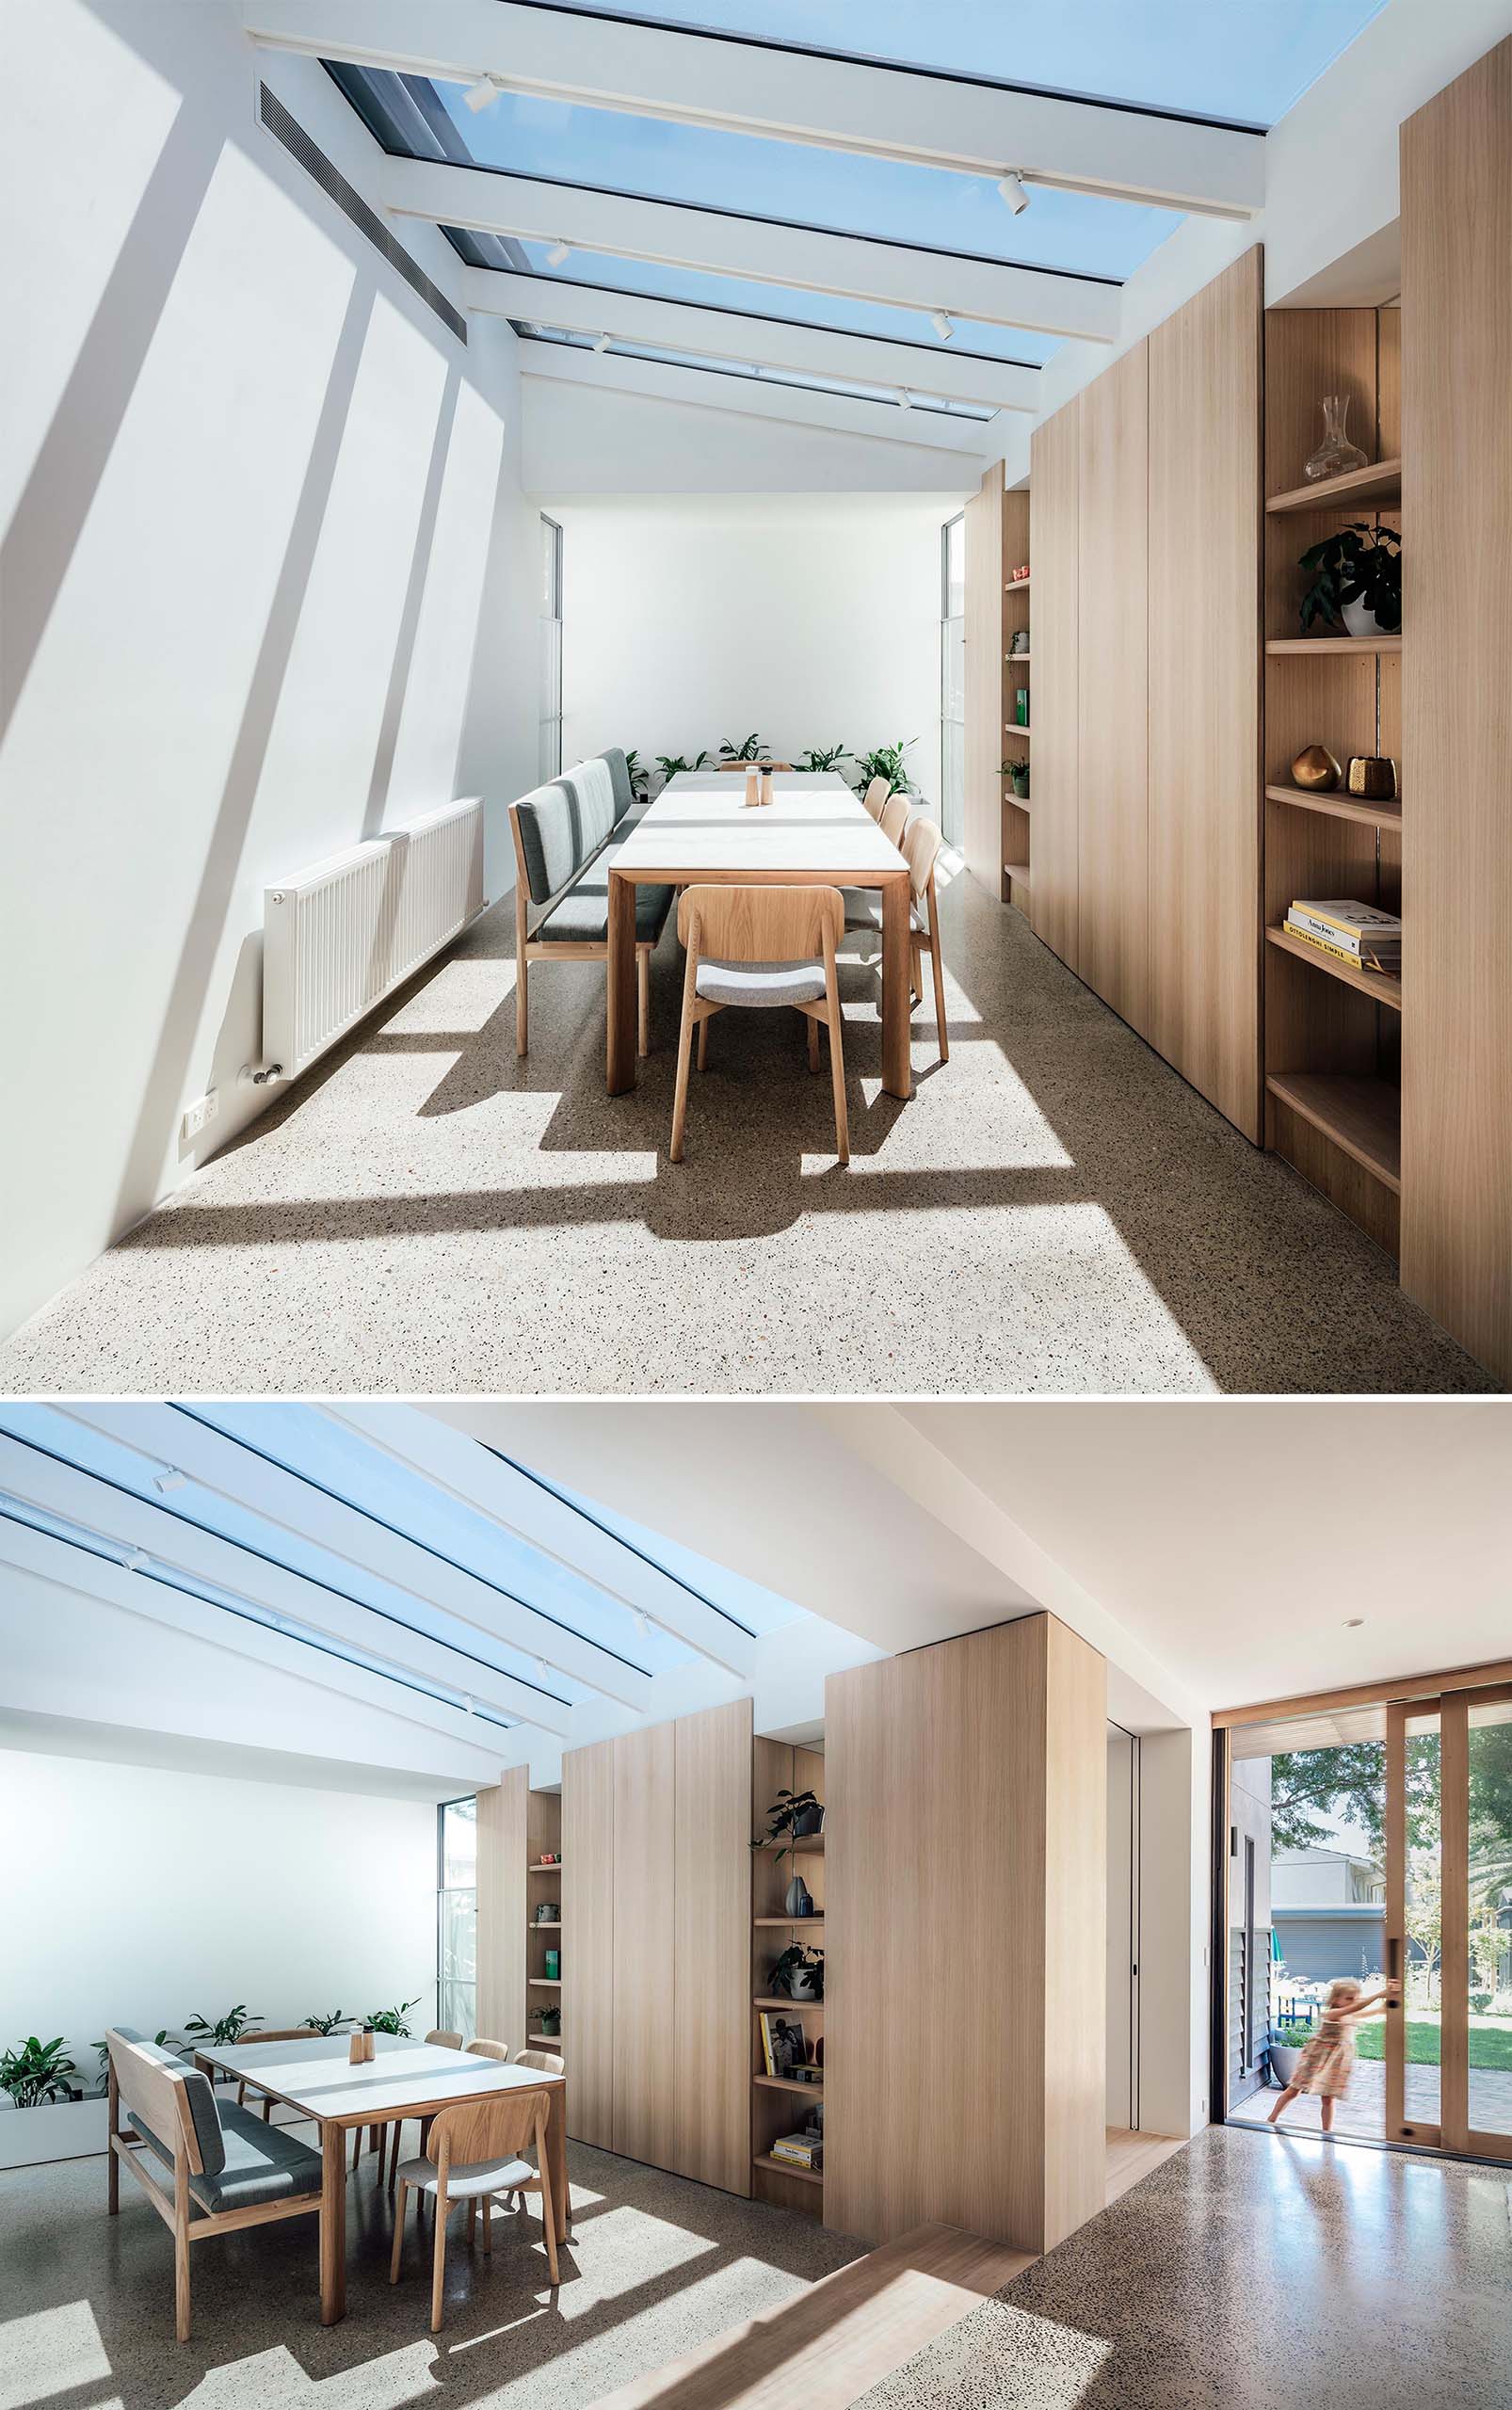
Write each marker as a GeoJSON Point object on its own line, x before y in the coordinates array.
{"type": "Point", "coordinates": [1054, 1211]}
{"type": "Point", "coordinates": [656, 2266]}
{"type": "Point", "coordinates": [1256, 2274]}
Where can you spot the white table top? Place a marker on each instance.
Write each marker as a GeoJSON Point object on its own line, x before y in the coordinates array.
{"type": "Point", "coordinates": [815, 828]}
{"type": "Point", "coordinates": [317, 2076]}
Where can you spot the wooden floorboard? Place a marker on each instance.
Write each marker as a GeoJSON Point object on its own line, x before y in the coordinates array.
{"type": "Point", "coordinates": [1131, 2156]}
{"type": "Point", "coordinates": [827, 2346]}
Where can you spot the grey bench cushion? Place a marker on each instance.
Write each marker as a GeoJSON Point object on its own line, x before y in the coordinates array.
{"type": "Point", "coordinates": [618, 769]}
{"type": "Point", "coordinates": [581, 917]}
{"type": "Point", "coordinates": [562, 826]}
{"type": "Point", "coordinates": [204, 2107]}
{"type": "Point", "coordinates": [262, 2163]}
{"type": "Point", "coordinates": [761, 983]}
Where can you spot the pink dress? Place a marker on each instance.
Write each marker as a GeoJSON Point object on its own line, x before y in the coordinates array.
{"type": "Point", "coordinates": [1328, 2061]}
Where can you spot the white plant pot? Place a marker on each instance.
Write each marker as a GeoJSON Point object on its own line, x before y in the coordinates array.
{"type": "Point", "coordinates": [58, 2130]}
{"type": "Point", "coordinates": [1360, 620]}
{"type": "Point", "coordinates": [1283, 2062]}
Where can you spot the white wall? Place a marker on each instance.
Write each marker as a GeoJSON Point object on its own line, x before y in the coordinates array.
{"type": "Point", "coordinates": [131, 1895]}
{"type": "Point", "coordinates": [815, 621]}
{"type": "Point", "coordinates": [268, 581]}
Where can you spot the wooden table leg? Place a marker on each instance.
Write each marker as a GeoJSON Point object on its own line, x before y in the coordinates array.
{"type": "Point", "coordinates": [556, 2157]}
{"type": "Point", "coordinates": [619, 979]}
{"type": "Point", "coordinates": [897, 1072]}
{"type": "Point", "coordinates": [332, 2223]}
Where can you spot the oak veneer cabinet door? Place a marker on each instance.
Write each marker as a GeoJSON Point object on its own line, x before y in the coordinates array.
{"type": "Point", "coordinates": [712, 1936]}
{"type": "Point", "coordinates": [1205, 514]}
{"type": "Point", "coordinates": [983, 809]}
{"type": "Point", "coordinates": [646, 2073]}
{"type": "Point", "coordinates": [966, 1860]}
{"type": "Point", "coordinates": [502, 1907]}
{"type": "Point", "coordinates": [588, 1941]}
{"type": "Point", "coordinates": [1054, 479]}
{"type": "Point", "coordinates": [1113, 806]}
{"type": "Point", "coordinates": [1456, 619]}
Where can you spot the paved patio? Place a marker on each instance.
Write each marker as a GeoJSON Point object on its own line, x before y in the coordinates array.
{"type": "Point", "coordinates": [1363, 2112]}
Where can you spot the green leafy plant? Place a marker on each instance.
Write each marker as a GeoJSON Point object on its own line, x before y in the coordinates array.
{"type": "Point", "coordinates": [335, 2021]}
{"type": "Point", "coordinates": [1293, 2037]}
{"type": "Point", "coordinates": [783, 1969]}
{"type": "Point", "coordinates": [391, 2020]}
{"type": "Point", "coordinates": [793, 1812]}
{"type": "Point", "coordinates": [222, 2029]}
{"type": "Point", "coordinates": [749, 750]}
{"type": "Point", "coordinates": [1017, 774]}
{"type": "Point", "coordinates": [35, 2072]}
{"type": "Point", "coordinates": [886, 762]}
{"type": "Point", "coordinates": [551, 2022]}
{"type": "Point", "coordinates": [640, 776]}
{"type": "Point", "coordinates": [670, 765]}
{"type": "Point", "coordinates": [1357, 563]}
{"type": "Point", "coordinates": [823, 757]}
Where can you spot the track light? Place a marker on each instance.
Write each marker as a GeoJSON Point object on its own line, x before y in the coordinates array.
{"type": "Point", "coordinates": [601, 342]}
{"type": "Point", "coordinates": [905, 398]}
{"type": "Point", "coordinates": [483, 94]}
{"type": "Point", "coordinates": [170, 1478]}
{"type": "Point", "coordinates": [939, 320]}
{"type": "Point", "coordinates": [1014, 191]}
{"type": "Point", "coordinates": [642, 1622]}
{"type": "Point", "coordinates": [467, 1703]}
{"type": "Point", "coordinates": [133, 1559]}
{"type": "Point", "coordinates": [557, 254]}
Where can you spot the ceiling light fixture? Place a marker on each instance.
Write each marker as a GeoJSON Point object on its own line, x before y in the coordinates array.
{"type": "Point", "coordinates": [557, 254]}
{"type": "Point", "coordinates": [941, 322]}
{"type": "Point", "coordinates": [467, 1702]}
{"type": "Point", "coordinates": [170, 1478]}
{"type": "Point", "coordinates": [1352, 1623]}
{"type": "Point", "coordinates": [642, 1621]}
{"type": "Point", "coordinates": [601, 342]}
{"type": "Point", "coordinates": [483, 94]}
{"type": "Point", "coordinates": [1014, 191]}
{"type": "Point", "coordinates": [133, 1559]}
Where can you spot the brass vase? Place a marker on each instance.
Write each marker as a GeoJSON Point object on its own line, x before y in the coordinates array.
{"type": "Point", "coordinates": [1315, 770]}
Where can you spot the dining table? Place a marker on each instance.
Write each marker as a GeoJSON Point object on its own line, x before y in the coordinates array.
{"type": "Point", "coordinates": [815, 832]}
{"type": "Point", "coordinates": [314, 2076]}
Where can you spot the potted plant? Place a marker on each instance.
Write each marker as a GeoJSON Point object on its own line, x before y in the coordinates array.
{"type": "Point", "coordinates": [750, 748]}
{"type": "Point", "coordinates": [1017, 773]}
{"type": "Point", "coordinates": [391, 2020]}
{"type": "Point", "coordinates": [1356, 580]}
{"type": "Point", "coordinates": [671, 764]}
{"type": "Point", "coordinates": [799, 1973]}
{"type": "Point", "coordinates": [797, 1813]}
{"type": "Point", "coordinates": [886, 762]}
{"type": "Point", "coordinates": [46, 2113]}
{"type": "Point", "coordinates": [221, 2031]}
{"type": "Point", "coordinates": [823, 757]}
{"type": "Point", "coordinates": [335, 2021]}
{"type": "Point", "coordinates": [551, 2022]}
{"type": "Point", "coordinates": [1287, 2045]}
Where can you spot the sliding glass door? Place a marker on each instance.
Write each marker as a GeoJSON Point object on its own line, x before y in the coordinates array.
{"type": "Point", "coordinates": [1449, 1921]}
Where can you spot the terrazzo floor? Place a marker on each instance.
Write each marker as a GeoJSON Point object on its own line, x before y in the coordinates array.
{"type": "Point", "coordinates": [1256, 2274]}
{"type": "Point", "coordinates": [1055, 1211]}
{"type": "Point", "coordinates": [656, 2266]}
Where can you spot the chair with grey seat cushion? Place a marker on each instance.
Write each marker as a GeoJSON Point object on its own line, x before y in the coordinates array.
{"type": "Point", "coordinates": [474, 2152]}
{"type": "Point", "coordinates": [226, 2162]}
{"type": "Point", "coordinates": [921, 844]}
{"type": "Point", "coordinates": [565, 840]}
{"type": "Point", "coordinates": [757, 948]}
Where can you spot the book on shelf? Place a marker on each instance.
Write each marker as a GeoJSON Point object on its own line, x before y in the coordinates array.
{"type": "Point", "coordinates": [1387, 958]}
{"type": "Point", "coordinates": [1354, 926]}
{"type": "Point", "coordinates": [798, 2150]}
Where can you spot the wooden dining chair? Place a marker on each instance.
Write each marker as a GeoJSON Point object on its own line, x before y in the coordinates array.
{"type": "Point", "coordinates": [439, 2038]}
{"type": "Point", "coordinates": [490, 2051]}
{"type": "Point", "coordinates": [922, 842]}
{"type": "Point", "coordinates": [755, 765]}
{"type": "Point", "coordinates": [474, 2152]}
{"type": "Point", "coordinates": [878, 791]}
{"type": "Point", "coordinates": [760, 947]}
{"type": "Point", "coordinates": [544, 2062]}
{"type": "Point", "coordinates": [893, 814]}
{"type": "Point", "coordinates": [275, 2033]}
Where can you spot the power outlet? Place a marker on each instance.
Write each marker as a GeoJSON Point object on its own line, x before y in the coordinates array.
{"type": "Point", "coordinates": [200, 1115]}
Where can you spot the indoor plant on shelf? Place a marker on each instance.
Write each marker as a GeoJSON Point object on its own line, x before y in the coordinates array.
{"type": "Point", "coordinates": [799, 1814]}
{"type": "Point", "coordinates": [1356, 580]}
{"type": "Point", "coordinates": [1017, 774]}
{"type": "Point", "coordinates": [797, 1974]}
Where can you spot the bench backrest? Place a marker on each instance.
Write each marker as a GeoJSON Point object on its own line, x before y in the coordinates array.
{"type": "Point", "coordinates": [562, 825]}
{"type": "Point", "coordinates": [620, 778]}
{"type": "Point", "coordinates": [172, 2106]}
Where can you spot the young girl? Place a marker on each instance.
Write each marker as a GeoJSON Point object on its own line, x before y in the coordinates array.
{"type": "Point", "coordinates": [1329, 2060]}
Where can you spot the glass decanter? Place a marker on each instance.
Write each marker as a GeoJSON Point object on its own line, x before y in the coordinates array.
{"type": "Point", "coordinates": [1335, 454]}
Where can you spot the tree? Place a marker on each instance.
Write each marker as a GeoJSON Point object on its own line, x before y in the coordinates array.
{"type": "Point", "coordinates": [1424, 1918]}
{"type": "Point", "coordinates": [1348, 1784]}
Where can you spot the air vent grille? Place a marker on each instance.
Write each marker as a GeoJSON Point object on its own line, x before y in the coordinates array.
{"type": "Point", "coordinates": [288, 131]}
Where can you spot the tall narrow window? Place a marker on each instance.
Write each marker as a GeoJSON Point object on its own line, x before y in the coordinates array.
{"type": "Point", "coordinates": [457, 1916]}
{"type": "Point", "coordinates": [953, 677]}
{"type": "Point", "coordinates": [551, 647]}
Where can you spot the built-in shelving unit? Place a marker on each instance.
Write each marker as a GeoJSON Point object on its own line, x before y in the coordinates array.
{"type": "Point", "coordinates": [1332, 1033]}
{"type": "Point", "coordinates": [775, 2100]}
{"type": "Point", "coordinates": [544, 1832]}
{"type": "Point", "coordinates": [1014, 855]}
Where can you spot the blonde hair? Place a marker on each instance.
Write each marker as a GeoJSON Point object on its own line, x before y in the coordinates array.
{"type": "Point", "coordinates": [1346, 1988]}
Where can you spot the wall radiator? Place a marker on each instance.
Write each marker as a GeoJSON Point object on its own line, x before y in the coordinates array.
{"type": "Point", "coordinates": [344, 934]}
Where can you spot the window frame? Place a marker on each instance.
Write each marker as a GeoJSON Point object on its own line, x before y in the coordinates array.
{"type": "Point", "coordinates": [445, 1890]}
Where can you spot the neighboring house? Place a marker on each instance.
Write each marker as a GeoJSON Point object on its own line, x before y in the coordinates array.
{"type": "Point", "coordinates": [1329, 1906]}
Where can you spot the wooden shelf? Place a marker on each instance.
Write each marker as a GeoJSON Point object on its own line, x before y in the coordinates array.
{"type": "Point", "coordinates": [1348, 647]}
{"type": "Point", "coordinates": [1015, 727]}
{"type": "Point", "coordinates": [1364, 1116]}
{"type": "Point", "coordinates": [1011, 658]}
{"type": "Point", "coordinates": [780, 2167]}
{"type": "Point", "coordinates": [789, 2083]}
{"type": "Point", "coordinates": [1018, 872]}
{"type": "Point", "coordinates": [1019, 802]}
{"type": "Point", "coordinates": [543, 1924]}
{"type": "Point", "coordinates": [545, 1866]}
{"type": "Point", "coordinates": [543, 1982]}
{"type": "Point", "coordinates": [788, 1921]}
{"type": "Point", "coordinates": [1017, 585]}
{"type": "Point", "coordinates": [1380, 481]}
{"type": "Point", "coordinates": [809, 1842]}
{"type": "Point", "coordinates": [1382, 814]}
{"type": "Point", "coordinates": [770, 2000]}
{"type": "Point", "coordinates": [1381, 987]}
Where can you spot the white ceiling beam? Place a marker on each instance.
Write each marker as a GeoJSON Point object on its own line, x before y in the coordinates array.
{"type": "Point", "coordinates": [842, 104]}
{"type": "Point", "coordinates": [239, 1474]}
{"type": "Point", "coordinates": [728, 334]}
{"type": "Point", "coordinates": [529, 1511]}
{"type": "Point", "coordinates": [721, 243]}
{"type": "Point", "coordinates": [704, 389]}
{"type": "Point", "coordinates": [77, 1496]}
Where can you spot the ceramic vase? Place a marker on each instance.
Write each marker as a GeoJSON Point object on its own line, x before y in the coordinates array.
{"type": "Point", "coordinates": [799, 1901]}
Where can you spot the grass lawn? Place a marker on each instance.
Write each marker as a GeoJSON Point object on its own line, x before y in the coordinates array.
{"type": "Point", "coordinates": [1490, 2040]}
